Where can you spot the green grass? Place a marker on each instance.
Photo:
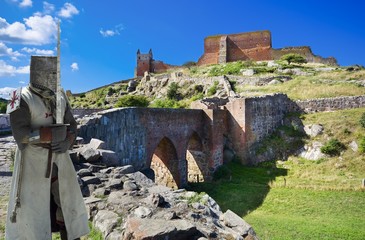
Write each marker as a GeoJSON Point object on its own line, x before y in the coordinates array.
{"type": "Point", "coordinates": [310, 214]}
{"type": "Point", "coordinates": [278, 211]}
{"type": "Point", "coordinates": [94, 234]}
{"type": "Point", "coordinates": [298, 198]}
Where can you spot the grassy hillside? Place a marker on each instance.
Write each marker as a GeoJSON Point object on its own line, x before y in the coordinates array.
{"type": "Point", "coordinates": [298, 198]}
{"type": "Point", "coordinates": [298, 81]}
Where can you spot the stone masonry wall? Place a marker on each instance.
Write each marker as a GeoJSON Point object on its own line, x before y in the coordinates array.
{"type": "Point", "coordinates": [252, 119]}
{"type": "Point", "coordinates": [135, 134]}
{"type": "Point", "coordinates": [329, 104]}
{"type": "Point", "coordinates": [304, 51]}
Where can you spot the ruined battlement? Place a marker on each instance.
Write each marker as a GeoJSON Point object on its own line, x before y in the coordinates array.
{"type": "Point", "coordinates": [223, 48]}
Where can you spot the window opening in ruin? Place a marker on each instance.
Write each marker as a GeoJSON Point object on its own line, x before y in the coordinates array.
{"type": "Point", "coordinates": [164, 163]}
{"type": "Point", "coordinates": [196, 159]}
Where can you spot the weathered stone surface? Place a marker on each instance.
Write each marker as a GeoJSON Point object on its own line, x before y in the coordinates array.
{"type": "Point", "coordinates": [312, 152]}
{"type": "Point", "coordinates": [115, 184]}
{"type": "Point", "coordinates": [96, 144]}
{"type": "Point", "coordinates": [109, 158]}
{"type": "Point", "coordinates": [353, 145]}
{"type": "Point", "coordinates": [144, 229]}
{"type": "Point", "coordinates": [313, 130]}
{"type": "Point", "coordinates": [232, 220]}
{"type": "Point", "coordinates": [84, 172]}
{"type": "Point", "coordinates": [155, 200]}
{"type": "Point", "coordinates": [90, 154]}
{"type": "Point", "coordinates": [124, 169]}
{"type": "Point", "coordinates": [142, 212]}
{"type": "Point", "coordinates": [4, 121]}
{"type": "Point", "coordinates": [130, 186]}
{"type": "Point", "coordinates": [105, 221]}
{"type": "Point", "coordinates": [91, 180]}
{"type": "Point", "coordinates": [248, 72]}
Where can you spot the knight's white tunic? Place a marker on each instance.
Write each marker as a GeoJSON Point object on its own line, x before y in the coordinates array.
{"type": "Point", "coordinates": [33, 217]}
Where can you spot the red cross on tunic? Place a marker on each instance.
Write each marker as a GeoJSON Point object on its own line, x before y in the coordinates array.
{"type": "Point", "coordinates": [14, 102]}
{"type": "Point", "coordinates": [13, 99]}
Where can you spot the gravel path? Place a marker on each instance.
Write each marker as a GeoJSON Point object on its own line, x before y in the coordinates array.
{"type": "Point", "coordinates": [7, 146]}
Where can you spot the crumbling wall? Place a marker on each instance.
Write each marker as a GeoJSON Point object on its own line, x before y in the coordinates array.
{"type": "Point", "coordinates": [306, 52]}
{"type": "Point", "coordinates": [329, 104]}
{"type": "Point", "coordinates": [253, 119]}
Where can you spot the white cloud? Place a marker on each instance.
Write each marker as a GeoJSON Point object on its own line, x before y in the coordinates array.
{"type": "Point", "coordinates": [5, 92]}
{"type": "Point", "coordinates": [37, 30]}
{"type": "Point", "coordinates": [9, 70]}
{"type": "Point", "coordinates": [38, 51]}
{"type": "Point", "coordinates": [48, 8]}
{"type": "Point", "coordinates": [74, 67]}
{"type": "Point", "coordinates": [26, 3]}
{"type": "Point", "coordinates": [5, 51]}
{"type": "Point", "coordinates": [107, 33]}
{"type": "Point", "coordinates": [68, 10]}
{"type": "Point", "coordinates": [112, 32]}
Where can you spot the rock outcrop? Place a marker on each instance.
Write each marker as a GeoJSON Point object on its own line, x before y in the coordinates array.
{"type": "Point", "coordinates": [125, 204]}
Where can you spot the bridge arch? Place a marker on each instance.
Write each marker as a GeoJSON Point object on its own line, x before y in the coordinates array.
{"type": "Point", "coordinates": [165, 164]}
{"type": "Point", "coordinates": [196, 157]}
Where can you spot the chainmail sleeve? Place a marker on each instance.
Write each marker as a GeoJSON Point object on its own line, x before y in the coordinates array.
{"type": "Point", "coordinates": [20, 121]}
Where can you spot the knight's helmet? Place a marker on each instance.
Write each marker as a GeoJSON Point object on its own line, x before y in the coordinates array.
{"type": "Point", "coordinates": [43, 72]}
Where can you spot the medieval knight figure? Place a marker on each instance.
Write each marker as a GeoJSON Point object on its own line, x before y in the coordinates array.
{"type": "Point", "coordinates": [45, 195]}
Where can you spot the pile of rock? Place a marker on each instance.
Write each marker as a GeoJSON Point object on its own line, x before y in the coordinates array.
{"type": "Point", "coordinates": [125, 204]}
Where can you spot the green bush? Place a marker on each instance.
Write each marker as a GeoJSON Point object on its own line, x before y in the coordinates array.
{"type": "Point", "coordinates": [362, 145]}
{"type": "Point", "coordinates": [333, 147]}
{"type": "Point", "coordinates": [173, 91]}
{"type": "Point", "coordinates": [362, 120]}
{"type": "Point", "coordinates": [168, 103]}
{"type": "Point", "coordinates": [3, 106]}
{"type": "Point", "coordinates": [293, 58]}
{"type": "Point", "coordinates": [132, 101]}
{"type": "Point", "coordinates": [213, 89]}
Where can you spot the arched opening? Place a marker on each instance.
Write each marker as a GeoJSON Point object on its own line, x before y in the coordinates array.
{"type": "Point", "coordinates": [165, 163]}
{"type": "Point", "coordinates": [196, 159]}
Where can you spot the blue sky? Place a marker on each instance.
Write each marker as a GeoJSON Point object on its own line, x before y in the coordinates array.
{"type": "Point", "coordinates": [99, 39]}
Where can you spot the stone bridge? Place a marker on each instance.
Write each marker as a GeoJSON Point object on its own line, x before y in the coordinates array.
{"type": "Point", "coordinates": [187, 145]}
{"type": "Point", "coordinates": [179, 145]}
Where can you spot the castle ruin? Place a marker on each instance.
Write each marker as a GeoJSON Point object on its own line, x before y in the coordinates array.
{"type": "Point", "coordinates": [255, 46]}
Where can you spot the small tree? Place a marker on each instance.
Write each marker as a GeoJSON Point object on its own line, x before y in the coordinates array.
{"type": "Point", "coordinates": [3, 106]}
{"type": "Point", "coordinates": [173, 91]}
{"type": "Point", "coordinates": [293, 58]}
{"type": "Point", "coordinates": [132, 101]}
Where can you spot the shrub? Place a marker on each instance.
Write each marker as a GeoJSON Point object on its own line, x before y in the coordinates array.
{"type": "Point", "coordinates": [293, 58]}
{"type": "Point", "coordinates": [3, 106]}
{"type": "Point", "coordinates": [213, 89]}
{"type": "Point", "coordinates": [132, 101]}
{"type": "Point", "coordinates": [362, 145]}
{"type": "Point", "coordinates": [333, 147]}
{"type": "Point", "coordinates": [173, 91]}
{"type": "Point", "coordinates": [168, 103]}
{"type": "Point", "coordinates": [362, 120]}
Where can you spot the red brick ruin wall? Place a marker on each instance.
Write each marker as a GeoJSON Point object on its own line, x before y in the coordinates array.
{"type": "Point", "coordinates": [142, 67]}
{"type": "Point", "coordinates": [160, 67]}
{"type": "Point", "coordinates": [304, 51]}
{"type": "Point", "coordinates": [211, 50]}
{"type": "Point", "coordinates": [255, 46]}
{"type": "Point", "coordinates": [243, 46]}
